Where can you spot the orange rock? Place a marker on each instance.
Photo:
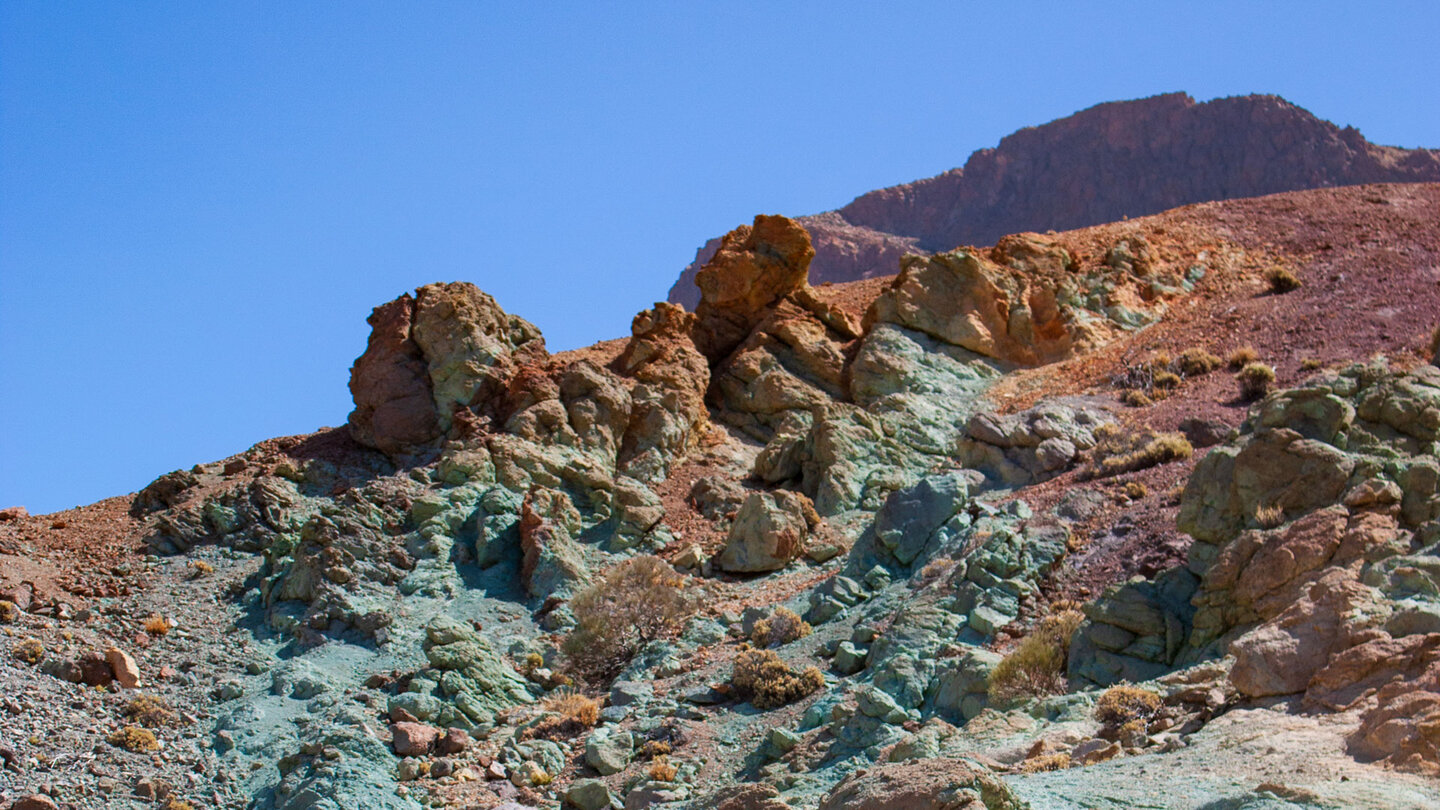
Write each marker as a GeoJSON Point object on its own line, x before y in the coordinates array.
{"type": "Point", "coordinates": [127, 672]}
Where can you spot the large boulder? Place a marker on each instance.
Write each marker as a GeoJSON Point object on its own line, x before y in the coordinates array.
{"type": "Point", "coordinates": [769, 531]}
{"type": "Point", "coordinates": [755, 266]}
{"type": "Point", "coordinates": [927, 784]}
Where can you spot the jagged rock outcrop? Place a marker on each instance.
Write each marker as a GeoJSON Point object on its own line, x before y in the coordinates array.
{"type": "Point", "coordinates": [449, 347]}
{"type": "Point", "coordinates": [1316, 563]}
{"type": "Point", "coordinates": [1124, 158]}
{"type": "Point", "coordinates": [668, 413]}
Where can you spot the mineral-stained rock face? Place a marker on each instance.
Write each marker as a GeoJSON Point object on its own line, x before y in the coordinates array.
{"type": "Point", "coordinates": [754, 268]}
{"type": "Point", "coordinates": [671, 377]}
{"type": "Point", "coordinates": [1125, 158]}
{"type": "Point", "coordinates": [449, 347]}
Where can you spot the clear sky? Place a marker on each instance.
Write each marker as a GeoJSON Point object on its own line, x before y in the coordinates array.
{"type": "Point", "coordinates": [201, 202]}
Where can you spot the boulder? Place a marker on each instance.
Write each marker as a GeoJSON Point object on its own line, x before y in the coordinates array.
{"type": "Point", "coordinates": [413, 739]}
{"type": "Point", "coordinates": [769, 531]}
{"type": "Point", "coordinates": [927, 784]}
{"type": "Point", "coordinates": [755, 266]}
{"type": "Point", "coordinates": [608, 750]}
{"type": "Point", "coordinates": [123, 667]}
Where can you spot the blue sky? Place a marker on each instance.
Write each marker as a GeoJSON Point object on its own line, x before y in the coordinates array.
{"type": "Point", "coordinates": [200, 202]}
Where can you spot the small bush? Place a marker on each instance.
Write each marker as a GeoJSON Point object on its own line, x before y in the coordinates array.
{"type": "Point", "coordinates": [1435, 346]}
{"type": "Point", "coordinates": [151, 712]}
{"type": "Point", "coordinates": [661, 770]}
{"type": "Point", "coordinates": [572, 713]}
{"type": "Point", "coordinates": [1242, 357]}
{"type": "Point", "coordinates": [1134, 490]}
{"type": "Point", "coordinates": [1119, 452]}
{"type": "Point", "coordinates": [156, 625]}
{"type": "Point", "coordinates": [1195, 362]}
{"type": "Point", "coordinates": [640, 600]}
{"type": "Point", "coordinates": [1036, 667]}
{"type": "Point", "coordinates": [1281, 281]}
{"type": "Point", "coordinates": [532, 662]}
{"type": "Point", "coordinates": [1123, 704]}
{"type": "Point", "coordinates": [655, 748]}
{"type": "Point", "coordinates": [29, 650]}
{"type": "Point", "coordinates": [1311, 364]}
{"type": "Point", "coordinates": [936, 568]}
{"type": "Point", "coordinates": [135, 739]}
{"type": "Point", "coordinates": [767, 682]}
{"type": "Point", "coordinates": [1255, 380]}
{"type": "Point", "coordinates": [1166, 380]}
{"type": "Point", "coordinates": [783, 627]}
{"type": "Point", "coordinates": [200, 568]}
{"type": "Point", "coordinates": [8, 612]}
{"type": "Point", "coordinates": [1136, 399]}
{"type": "Point", "coordinates": [1268, 517]}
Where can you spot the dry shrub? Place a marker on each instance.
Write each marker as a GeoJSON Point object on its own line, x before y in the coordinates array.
{"type": "Point", "coordinates": [640, 600]}
{"type": "Point", "coordinates": [176, 804]}
{"type": "Point", "coordinates": [8, 612]}
{"type": "Point", "coordinates": [1196, 361]}
{"type": "Point", "coordinates": [156, 625]}
{"type": "Point", "coordinates": [200, 568]}
{"type": "Point", "coordinates": [1118, 452]}
{"type": "Point", "coordinates": [1281, 281]}
{"type": "Point", "coordinates": [661, 769]}
{"type": "Point", "coordinates": [1134, 490]}
{"type": "Point", "coordinates": [1036, 667]}
{"type": "Point", "coordinates": [783, 627]}
{"type": "Point", "coordinates": [1255, 380]}
{"type": "Point", "coordinates": [29, 650]}
{"type": "Point", "coordinates": [532, 662]}
{"type": "Point", "coordinates": [936, 568]}
{"type": "Point", "coordinates": [1136, 399]}
{"type": "Point", "coordinates": [1435, 346]}
{"type": "Point", "coordinates": [1311, 364]}
{"type": "Point", "coordinates": [766, 681]}
{"type": "Point", "coordinates": [572, 713]}
{"type": "Point", "coordinates": [1124, 704]}
{"type": "Point", "coordinates": [1048, 762]}
{"type": "Point", "coordinates": [1242, 357]}
{"type": "Point", "coordinates": [151, 712]}
{"type": "Point", "coordinates": [655, 748]}
{"type": "Point", "coordinates": [135, 739]}
{"type": "Point", "coordinates": [1166, 380]}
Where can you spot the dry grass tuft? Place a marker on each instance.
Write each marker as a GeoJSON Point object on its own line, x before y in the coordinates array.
{"type": "Point", "coordinates": [1036, 667]}
{"type": "Point", "coordinates": [29, 651]}
{"type": "Point", "coordinates": [1196, 361]}
{"type": "Point", "coordinates": [1124, 704]}
{"type": "Point", "coordinates": [135, 739]}
{"type": "Point", "coordinates": [1281, 281]}
{"type": "Point", "coordinates": [1268, 517]}
{"type": "Point", "coordinates": [156, 625]}
{"type": "Point", "coordinates": [1242, 357]}
{"type": "Point", "coordinates": [640, 600]}
{"type": "Point", "coordinates": [1255, 380]}
{"type": "Point", "coordinates": [1134, 490]}
{"type": "Point", "coordinates": [662, 770]}
{"type": "Point", "coordinates": [1435, 346]}
{"type": "Point", "coordinates": [783, 627]}
{"type": "Point", "coordinates": [1311, 364]}
{"type": "Point", "coordinates": [1119, 452]}
{"type": "Point", "coordinates": [571, 713]}
{"type": "Point", "coordinates": [8, 612]}
{"type": "Point", "coordinates": [1048, 762]}
{"type": "Point", "coordinates": [766, 681]}
{"type": "Point", "coordinates": [1135, 398]}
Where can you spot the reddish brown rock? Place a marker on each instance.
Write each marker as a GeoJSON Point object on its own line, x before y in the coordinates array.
{"type": "Point", "coordinates": [455, 741]}
{"type": "Point", "coordinates": [13, 513]}
{"type": "Point", "coordinates": [668, 413]}
{"type": "Point", "coordinates": [927, 784]}
{"type": "Point", "coordinates": [37, 801]}
{"type": "Point", "coordinates": [393, 404]}
{"type": "Point", "coordinates": [413, 739]}
{"type": "Point", "coordinates": [754, 268]}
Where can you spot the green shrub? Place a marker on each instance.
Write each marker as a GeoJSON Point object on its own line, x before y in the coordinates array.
{"type": "Point", "coordinates": [1255, 380]}
{"type": "Point", "coordinates": [639, 601]}
{"type": "Point", "coordinates": [1036, 667]}
{"type": "Point", "coordinates": [766, 681]}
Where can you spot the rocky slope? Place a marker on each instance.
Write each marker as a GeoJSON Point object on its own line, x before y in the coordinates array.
{"type": "Point", "coordinates": [1126, 158]}
{"type": "Point", "coordinates": [866, 506]}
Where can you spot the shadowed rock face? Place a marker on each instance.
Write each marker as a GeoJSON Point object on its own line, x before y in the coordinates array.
{"type": "Point", "coordinates": [1124, 158]}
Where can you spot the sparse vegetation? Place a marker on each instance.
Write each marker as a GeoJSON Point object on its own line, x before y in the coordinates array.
{"type": "Point", "coordinates": [1136, 399]}
{"type": "Point", "coordinates": [1166, 380]}
{"type": "Point", "coordinates": [1048, 762]}
{"type": "Point", "coordinates": [1134, 490]}
{"type": "Point", "coordinates": [1124, 704]}
{"type": "Point", "coordinates": [1435, 346]}
{"type": "Point", "coordinates": [1281, 281]}
{"type": "Point", "coordinates": [1269, 516]}
{"type": "Point", "coordinates": [570, 714]}
{"type": "Point", "coordinates": [661, 769]}
{"type": "Point", "coordinates": [1311, 364]}
{"type": "Point", "coordinates": [640, 600]}
{"type": "Point", "coordinates": [200, 568]}
{"type": "Point", "coordinates": [151, 712]}
{"type": "Point", "coordinates": [1036, 667]}
{"type": "Point", "coordinates": [767, 682]}
{"type": "Point", "coordinates": [156, 625]}
{"type": "Point", "coordinates": [1242, 357]}
{"type": "Point", "coordinates": [1255, 380]}
{"type": "Point", "coordinates": [135, 739]}
{"type": "Point", "coordinates": [1196, 361]}
{"type": "Point", "coordinates": [29, 650]}
{"type": "Point", "coordinates": [8, 612]}
{"type": "Point", "coordinates": [655, 748]}
{"type": "Point", "coordinates": [783, 627]}
{"type": "Point", "coordinates": [1119, 451]}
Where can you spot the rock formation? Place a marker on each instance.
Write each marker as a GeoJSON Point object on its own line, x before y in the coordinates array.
{"type": "Point", "coordinates": [1114, 160]}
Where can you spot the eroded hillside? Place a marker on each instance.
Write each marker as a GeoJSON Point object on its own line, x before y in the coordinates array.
{"type": "Point", "coordinates": [1024, 525]}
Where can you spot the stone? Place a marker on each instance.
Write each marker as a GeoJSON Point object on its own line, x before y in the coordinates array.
{"type": "Point", "coordinates": [13, 513]}
{"type": "Point", "coordinates": [609, 750]}
{"type": "Point", "coordinates": [123, 667]}
{"type": "Point", "coordinates": [413, 739]}
{"type": "Point", "coordinates": [755, 266]}
{"type": "Point", "coordinates": [1094, 750]}
{"type": "Point", "coordinates": [1202, 432]}
{"type": "Point", "coordinates": [35, 801]}
{"type": "Point", "coordinates": [849, 659]}
{"type": "Point", "coordinates": [769, 531]}
{"type": "Point", "coordinates": [589, 794]}
{"type": "Point", "coordinates": [455, 741]}
{"type": "Point", "coordinates": [927, 783]}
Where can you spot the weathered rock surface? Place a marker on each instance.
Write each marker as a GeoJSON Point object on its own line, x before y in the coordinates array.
{"type": "Point", "coordinates": [931, 784]}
